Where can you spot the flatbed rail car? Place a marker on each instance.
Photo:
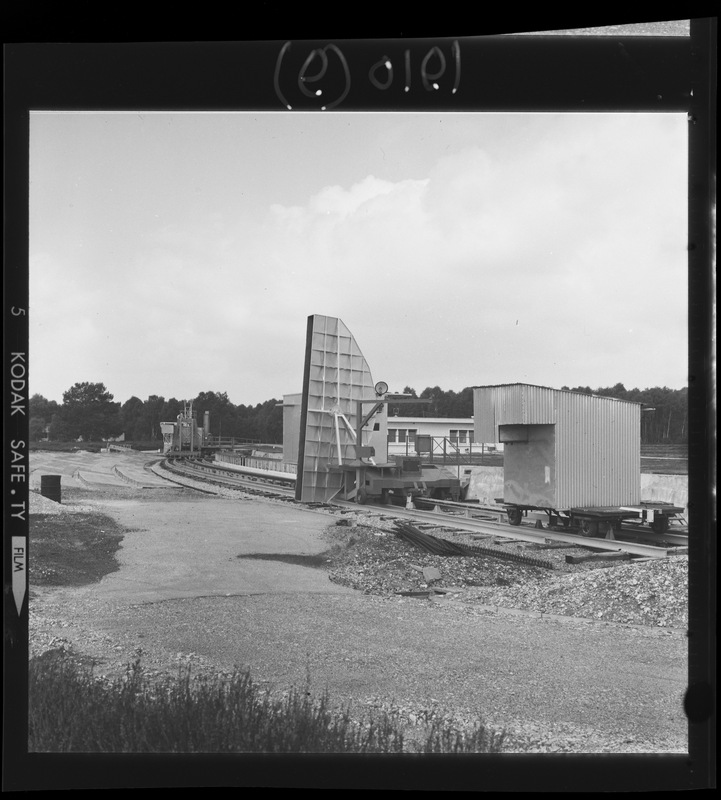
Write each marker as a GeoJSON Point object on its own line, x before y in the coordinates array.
{"type": "Point", "coordinates": [602, 521]}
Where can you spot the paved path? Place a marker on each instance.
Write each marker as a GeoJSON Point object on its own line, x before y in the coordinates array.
{"type": "Point", "coordinates": [189, 547]}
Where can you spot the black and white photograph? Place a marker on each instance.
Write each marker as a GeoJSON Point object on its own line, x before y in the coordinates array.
{"type": "Point", "coordinates": [349, 427]}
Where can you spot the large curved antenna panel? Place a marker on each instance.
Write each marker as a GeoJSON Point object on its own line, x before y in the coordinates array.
{"type": "Point", "coordinates": [336, 379]}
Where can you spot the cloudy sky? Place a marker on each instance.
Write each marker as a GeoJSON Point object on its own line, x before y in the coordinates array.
{"type": "Point", "coordinates": [177, 253]}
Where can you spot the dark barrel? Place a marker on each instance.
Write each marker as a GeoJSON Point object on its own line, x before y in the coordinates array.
{"type": "Point", "coordinates": [50, 487]}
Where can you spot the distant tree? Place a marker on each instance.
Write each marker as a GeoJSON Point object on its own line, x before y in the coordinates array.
{"type": "Point", "coordinates": [169, 410]}
{"type": "Point", "coordinates": [42, 408]}
{"type": "Point", "coordinates": [245, 423]}
{"type": "Point", "coordinates": [436, 406]}
{"type": "Point", "coordinates": [152, 416]}
{"type": "Point", "coordinates": [443, 403]}
{"type": "Point", "coordinates": [269, 416]}
{"type": "Point", "coordinates": [87, 412]}
{"type": "Point", "coordinates": [223, 414]}
{"type": "Point", "coordinates": [36, 429]}
{"type": "Point", "coordinates": [131, 416]}
{"type": "Point", "coordinates": [665, 420]}
{"type": "Point", "coordinates": [60, 428]}
{"type": "Point", "coordinates": [618, 391]}
{"type": "Point", "coordinates": [405, 409]}
{"type": "Point", "coordinates": [465, 402]}
{"type": "Point", "coordinates": [41, 415]}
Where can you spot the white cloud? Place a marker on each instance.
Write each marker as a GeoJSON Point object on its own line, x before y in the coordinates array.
{"type": "Point", "coordinates": [567, 228]}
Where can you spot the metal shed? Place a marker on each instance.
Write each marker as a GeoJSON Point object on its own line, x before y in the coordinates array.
{"type": "Point", "coordinates": [562, 449]}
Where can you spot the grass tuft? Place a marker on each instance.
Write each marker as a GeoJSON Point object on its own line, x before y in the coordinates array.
{"type": "Point", "coordinates": [72, 709]}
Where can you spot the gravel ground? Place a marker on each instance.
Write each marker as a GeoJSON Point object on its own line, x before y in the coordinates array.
{"type": "Point", "coordinates": [376, 561]}
{"type": "Point", "coordinates": [373, 559]}
{"type": "Point", "coordinates": [646, 600]}
{"type": "Point", "coordinates": [653, 593]}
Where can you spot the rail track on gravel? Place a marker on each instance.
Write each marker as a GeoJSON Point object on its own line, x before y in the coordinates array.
{"type": "Point", "coordinates": [485, 522]}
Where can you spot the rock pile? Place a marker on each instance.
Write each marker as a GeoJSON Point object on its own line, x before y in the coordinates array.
{"type": "Point", "coordinates": [651, 593]}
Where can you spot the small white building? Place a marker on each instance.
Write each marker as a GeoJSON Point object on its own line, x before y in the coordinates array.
{"type": "Point", "coordinates": [403, 433]}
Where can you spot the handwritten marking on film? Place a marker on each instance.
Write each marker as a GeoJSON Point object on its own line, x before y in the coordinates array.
{"type": "Point", "coordinates": [325, 75]}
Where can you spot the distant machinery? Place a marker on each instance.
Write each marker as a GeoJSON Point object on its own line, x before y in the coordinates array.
{"type": "Point", "coordinates": [185, 436]}
{"type": "Point", "coordinates": [340, 424]}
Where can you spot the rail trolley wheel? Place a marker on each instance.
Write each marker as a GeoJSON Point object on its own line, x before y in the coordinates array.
{"type": "Point", "coordinates": [515, 515]}
{"type": "Point", "coordinates": [660, 524]}
{"type": "Point", "coordinates": [589, 527]}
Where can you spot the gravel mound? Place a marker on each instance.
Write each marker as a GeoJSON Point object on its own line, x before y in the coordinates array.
{"type": "Point", "coordinates": [649, 593]}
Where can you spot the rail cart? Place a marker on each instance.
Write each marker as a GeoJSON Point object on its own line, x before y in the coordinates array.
{"type": "Point", "coordinates": [601, 521]}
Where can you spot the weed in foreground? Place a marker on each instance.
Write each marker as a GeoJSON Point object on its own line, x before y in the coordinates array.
{"type": "Point", "coordinates": [73, 710]}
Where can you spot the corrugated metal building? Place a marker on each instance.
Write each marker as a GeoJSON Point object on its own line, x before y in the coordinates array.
{"type": "Point", "coordinates": [562, 449]}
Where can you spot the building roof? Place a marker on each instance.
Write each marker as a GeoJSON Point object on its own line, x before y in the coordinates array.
{"type": "Point", "coordinates": [551, 389]}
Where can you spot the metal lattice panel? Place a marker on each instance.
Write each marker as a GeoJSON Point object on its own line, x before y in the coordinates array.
{"type": "Point", "coordinates": [336, 377]}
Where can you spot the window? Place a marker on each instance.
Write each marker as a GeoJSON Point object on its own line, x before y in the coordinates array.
{"type": "Point", "coordinates": [402, 434]}
{"type": "Point", "coordinates": [454, 436]}
{"type": "Point", "coordinates": [412, 432]}
{"type": "Point", "coordinates": [391, 434]}
{"type": "Point", "coordinates": [462, 437]}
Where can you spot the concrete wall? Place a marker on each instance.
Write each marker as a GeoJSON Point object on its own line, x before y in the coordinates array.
{"type": "Point", "coordinates": [486, 484]}
{"type": "Point", "coordinates": [665, 489]}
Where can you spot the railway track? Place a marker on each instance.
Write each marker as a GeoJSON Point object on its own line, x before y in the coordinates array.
{"type": "Point", "coordinates": [486, 523]}
{"type": "Point", "coordinates": [210, 473]}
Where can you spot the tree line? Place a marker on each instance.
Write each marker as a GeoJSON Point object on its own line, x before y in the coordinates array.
{"type": "Point", "coordinates": [89, 412]}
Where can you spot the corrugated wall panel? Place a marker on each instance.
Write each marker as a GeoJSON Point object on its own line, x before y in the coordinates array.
{"type": "Point", "coordinates": [598, 451]}
{"type": "Point", "coordinates": [539, 405]}
{"type": "Point", "coordinates": [512, 404]}
{"type": "Point", "coordinates": [598, 439]}
{"type": "Point", "coordinates": [484, 416]}
{"type": "Point", "coordinates": [509, 403]}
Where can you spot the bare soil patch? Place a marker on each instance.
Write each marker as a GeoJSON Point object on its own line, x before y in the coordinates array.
{"type": "Point", "coordinates": [72, 550]}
